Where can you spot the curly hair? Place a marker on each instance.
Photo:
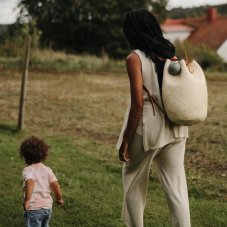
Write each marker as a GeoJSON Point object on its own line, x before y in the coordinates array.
{"type": "Point", "coordinates": [33, 150]}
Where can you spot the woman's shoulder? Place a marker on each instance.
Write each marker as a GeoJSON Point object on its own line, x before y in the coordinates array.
{"type": "Point", "coordinates": [140, 55]}
{"type": "Point", "coordinates": [133, 61]}
{"type": "Point", "coordinates": [133, 57]}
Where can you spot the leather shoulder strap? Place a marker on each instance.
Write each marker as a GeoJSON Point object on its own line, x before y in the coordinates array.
{"type": "Point", "coordinates": [153, 100]}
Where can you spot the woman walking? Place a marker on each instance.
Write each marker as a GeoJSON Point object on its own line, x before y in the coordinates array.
{"type": "Point", "coordinates": [147, 135]}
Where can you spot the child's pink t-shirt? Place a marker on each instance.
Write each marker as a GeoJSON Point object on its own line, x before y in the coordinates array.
{"type": "Point", "coordinates": [43, 177]}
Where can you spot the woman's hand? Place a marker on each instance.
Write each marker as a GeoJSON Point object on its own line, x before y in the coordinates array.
{"type": "Point", "coordinates": [124, 152]}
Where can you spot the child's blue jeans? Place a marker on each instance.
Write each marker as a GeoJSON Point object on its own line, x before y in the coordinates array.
{"type": "Point", "coordinates": [37, 218]}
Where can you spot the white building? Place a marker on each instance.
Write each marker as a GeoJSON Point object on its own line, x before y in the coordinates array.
{"type": "Point", "coordinates": [210, 30]}
{"type": "Point", "coordinates": [176, 32]}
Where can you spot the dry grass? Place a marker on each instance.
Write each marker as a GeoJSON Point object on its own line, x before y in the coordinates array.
{"type": "Point", "coordinates": [67, 103]}
{"type": "Point", "coordinates": [94, 105]}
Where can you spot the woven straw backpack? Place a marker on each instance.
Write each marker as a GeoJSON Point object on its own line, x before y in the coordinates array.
{"type": "Point", "coordinates": [184, 92]}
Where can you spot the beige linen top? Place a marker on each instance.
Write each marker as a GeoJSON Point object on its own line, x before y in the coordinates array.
{"type": "Point", "coordinates": [156, 129]}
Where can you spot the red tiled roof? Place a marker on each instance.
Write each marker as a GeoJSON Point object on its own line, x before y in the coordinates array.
{"type": "Point", "coordinates": [191, 22]}
{"type": "Point", "coordinates": [211, 33]}
{"type": "Point", "coordinates": [195, 22]}
{"type": "Point", "coordinates": [174, 21]}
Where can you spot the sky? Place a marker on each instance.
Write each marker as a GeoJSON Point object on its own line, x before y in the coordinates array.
{"type": "Point", "coordinates": [8, 14]}
{"type": "Point", "coordinates": [193, 3]}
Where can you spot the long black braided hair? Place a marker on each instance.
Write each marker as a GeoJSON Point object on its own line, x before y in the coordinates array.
{"type": "Point", "coordinates": [143, 32]}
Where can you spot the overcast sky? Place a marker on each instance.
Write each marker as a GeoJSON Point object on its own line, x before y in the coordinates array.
{"type": "Point", "coordinates": [8, 14]}
{"type": "Point", "coordinates": [192, 3]}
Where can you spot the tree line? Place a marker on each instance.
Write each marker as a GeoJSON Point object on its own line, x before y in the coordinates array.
{"type": "Point", "coordinates": [200, 11]}
{"type": "Point", "coordinates": [83, 26]}
{"type": "Point", "coordinates": [86, 26]}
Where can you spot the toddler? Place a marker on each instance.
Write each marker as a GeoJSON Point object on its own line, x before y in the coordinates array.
{"type": "Point", "coordinates": [38, 181]}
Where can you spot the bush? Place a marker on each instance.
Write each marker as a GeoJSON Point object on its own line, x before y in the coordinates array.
{"type": "Point", "coordinates": [207, 58]}
{"type": "Point", "coordinates": [13, 41]}
{"type": "Point", "coordinates": [62, 62]}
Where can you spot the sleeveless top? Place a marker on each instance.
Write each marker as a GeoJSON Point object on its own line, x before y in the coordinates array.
{"type": "Point", "coordinates": [157, 131]}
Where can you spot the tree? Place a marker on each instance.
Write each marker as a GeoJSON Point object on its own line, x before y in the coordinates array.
{"type": "Point", "coordinates": [13, 39]}
{"type": "Point", "coordinates": [92, 26]}
{"type": "Point", "coordinates": [158, 8]}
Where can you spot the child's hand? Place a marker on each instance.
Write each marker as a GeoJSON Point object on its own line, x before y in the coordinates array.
{"type": "Point", "coordinates": [60, 202]}
{"type": "Point", "coordinates": [25, 205]}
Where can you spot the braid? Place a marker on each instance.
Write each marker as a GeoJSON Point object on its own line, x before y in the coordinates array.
{"type": "Point", "coordinates": [143, 32]}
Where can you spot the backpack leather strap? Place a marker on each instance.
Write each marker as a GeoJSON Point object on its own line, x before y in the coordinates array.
{"type": "Point", "coordinates": [153, 100]}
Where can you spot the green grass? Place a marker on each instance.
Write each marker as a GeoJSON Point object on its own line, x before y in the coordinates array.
{"type": "Point", "coordinates": [87, 175]}
{"type": "Point", "coordinates": [47, 60]}
{"type": "Point", "coordinates": [80, 116]}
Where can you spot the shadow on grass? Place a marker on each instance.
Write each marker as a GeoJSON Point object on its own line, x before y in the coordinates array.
{"type": "Point", "coordinates": [8, 129]}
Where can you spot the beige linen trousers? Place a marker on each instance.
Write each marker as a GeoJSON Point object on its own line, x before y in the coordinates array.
{"type": "Point", "coordinates": [155, 140]}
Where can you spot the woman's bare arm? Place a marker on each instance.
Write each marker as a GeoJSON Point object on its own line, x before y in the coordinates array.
{"type": "Point", "coordinates": [133, 65]}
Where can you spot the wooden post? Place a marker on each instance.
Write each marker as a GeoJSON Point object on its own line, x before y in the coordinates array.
{"type": "Point", "coordinates": [23, 83]}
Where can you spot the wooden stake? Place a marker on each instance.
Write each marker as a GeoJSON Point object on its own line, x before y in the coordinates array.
{"type": "Point", "coordinates": [23, 83]}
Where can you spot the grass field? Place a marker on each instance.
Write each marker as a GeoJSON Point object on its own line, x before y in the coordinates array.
{"type": "Point", "coordinates": [80, 116]}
